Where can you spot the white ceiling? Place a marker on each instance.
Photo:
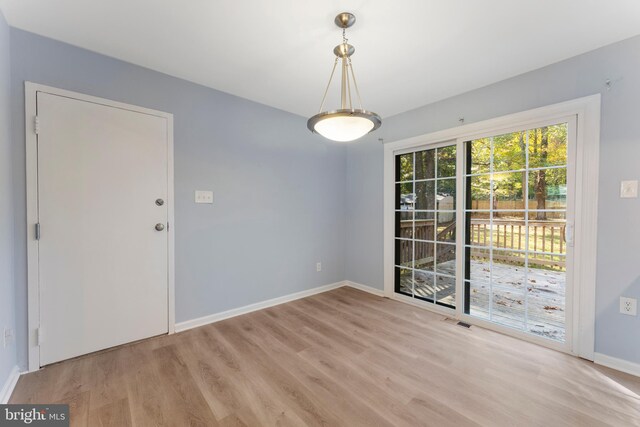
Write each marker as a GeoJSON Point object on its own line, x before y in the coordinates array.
{"type": "Point", "coordinates": [279, 52]}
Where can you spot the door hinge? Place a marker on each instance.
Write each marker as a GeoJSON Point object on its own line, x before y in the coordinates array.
{"type": "Point", "coordinates": [36, 125]}
{"type": "Point", "coordinates": [38, 231]}
{"type": "Point", "coordinates": [39, 336]}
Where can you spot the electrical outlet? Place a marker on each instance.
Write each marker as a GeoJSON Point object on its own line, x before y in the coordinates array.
{"type": "Point", "coordinates": [319, 266]}
{"type": "Point", "coordinates": [629, 306]}
{"type": "Point", "coordinates": [629, 189]}
{"type": "Point", "coordinates": [6, 337]}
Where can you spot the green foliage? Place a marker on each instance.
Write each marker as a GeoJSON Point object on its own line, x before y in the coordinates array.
{"type": "Point", "coordinates": [546, 147]}
{"type": "Point", "coordinates": [404, 167]}
{"type": "Point", "coordinates": [509, 165]}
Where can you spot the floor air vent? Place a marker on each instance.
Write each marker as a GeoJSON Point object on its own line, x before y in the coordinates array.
{"type": "Point", "coordinates": [464, 325]}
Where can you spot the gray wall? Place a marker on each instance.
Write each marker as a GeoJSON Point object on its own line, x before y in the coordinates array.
{"type": "Point", "coordinates": [279, 191]}
{"type": "Point", "coordinates": [7, 355]}
{"type": "Point", "coordinates": [618, 266]}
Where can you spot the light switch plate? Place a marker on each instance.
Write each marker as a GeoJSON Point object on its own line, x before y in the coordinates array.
{"type": "Point", "coordinates": [629, 306]}
{"type": "Point", "coordinates": [629, 189]}
{"type": "Point", "coordinates": [203, 196]}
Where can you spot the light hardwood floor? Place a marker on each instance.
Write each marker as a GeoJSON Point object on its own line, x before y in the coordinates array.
{"type": "Point", "coordinates": [343, 357]}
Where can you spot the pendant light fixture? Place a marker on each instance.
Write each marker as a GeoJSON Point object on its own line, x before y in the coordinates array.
{"type": "Point", "coordinates": [346, 123]}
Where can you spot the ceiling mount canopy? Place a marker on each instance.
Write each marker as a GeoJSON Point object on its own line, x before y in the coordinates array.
{"type": "Point", "coordinates": [346, 123]}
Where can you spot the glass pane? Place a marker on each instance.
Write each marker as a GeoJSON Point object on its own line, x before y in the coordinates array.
{"type": "Point", "coordinates": [404, 167]}
{"type": "Point", "coordinates": [404, 253]}
{"type": "Point", "coordinates": [509, 152]}
{"type": "Point", "coordinates": [426, 195]}
{"type": "Point", "coordinates": [548, 146]}
{"type": "Point", "coordinates": [546, 307]}
{"type": "Point", "coordinates": [507, 259]}
{"type": "Point", "coordinates": [404, 225]}
{"type": "Point", "coordinates": [424, 286]}
{"type": "Point", "coordinates": [404, 281]}
{"type": "Point", "coordinates": [481, 155]}
{"type": "Point", "coordinates": [548, 189]}
{"type": "Point", "coordinates": [547, 262]}
{"type": "Point", "coordinates": [508, 190]}
{"type": "Point", "coordinates": [508, 270]}
{"type": "Point", "coordinates": [509, 230]}
{"type": "Point", "coordinates": [480, 191]}
{"type": "Point", "coordinates": [547, 278]}
{"type": "Point", "coordinates": [508, 307]}
{"type": "Point", "coordinates": [547, 232]}
{"type": "Point", "coordinates": [446, 259]}
{"type": "Point", "coordinates": [446, 227]}
{"type": "Point", "coordinates": [447, 161]}
{"type": "Point", "coordinates": [479, 233]}
{"type": "Point", "coordinates": [426, 164]}
{"type": "Point", "coordinates": [405, 198]}
{"type": "Point", "coordinates": [424, 259]}
{"type": "Point", "coordinates": [479, 270]}
{"type": "Point", "coordinates": [446, 189]}
{"type": "Point", "coordinates": [546, 318]}
{"type": "Point", "coordinates": [446, 290]}
{"type": "Point", "coordinates": [424, 227]}
{"type": "Point", "coordinates": [478, 299]}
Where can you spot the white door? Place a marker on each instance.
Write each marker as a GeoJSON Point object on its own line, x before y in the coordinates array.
{"type": "Point", "coordinates": [103, 264]}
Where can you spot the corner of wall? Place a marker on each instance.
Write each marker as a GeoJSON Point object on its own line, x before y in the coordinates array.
{"type": "Point", "coordinates": [9, 370]}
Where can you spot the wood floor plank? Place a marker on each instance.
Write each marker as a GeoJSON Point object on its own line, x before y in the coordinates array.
{"type": "Point", "coordinates": [233, 421]}
{"type": "Point", "coordinates": [260, 393]}
{"type": "Point", "coordinates": [78, 409]}
{"type": "Point", "coordinates": [147, 402]}
{"type": "Point", "coordinates": [352, 412]}
{"type": "Point", "coordinates": [115, 414]}
{"type": "Point", "coordinates": [341, 358]}
{"type": "Point", "coordinates": [300, 399]}
{"type": "Point", "coordinates": [227, 389]}
{"type": "Point", "coordinates": [185, 404]}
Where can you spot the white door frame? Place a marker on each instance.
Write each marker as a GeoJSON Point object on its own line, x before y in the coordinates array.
{"type": "Point", "coordinates": [587, 113]}
{"type": "Point", "coordinates": [31, 140]}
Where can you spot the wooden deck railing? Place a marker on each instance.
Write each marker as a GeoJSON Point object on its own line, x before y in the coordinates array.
{"type": "Point", "coordinates": [547, 243]}
{"type": "Point", "coordinates": [544, 236]}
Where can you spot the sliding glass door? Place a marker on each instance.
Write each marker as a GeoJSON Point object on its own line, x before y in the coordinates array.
{"type": "Point", "coordinates": [487, 221]}
{"type": "Point", "coordinates": [425, 225]}
{"type": "Point", "coordinates": [516, 230]}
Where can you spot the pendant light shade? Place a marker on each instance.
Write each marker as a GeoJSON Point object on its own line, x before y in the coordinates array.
{"type": "Point", "coordinates": [346, 123]}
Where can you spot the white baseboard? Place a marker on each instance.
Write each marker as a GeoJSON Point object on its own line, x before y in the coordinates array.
{"type": "Point", "coordinates": [194, 323]}
{"type": "Point", "coordinates": [364, 288]}
{"type": "Point", "coordinates": [617, 364]}
{"type": "Point", "coordinates": [9, 385]}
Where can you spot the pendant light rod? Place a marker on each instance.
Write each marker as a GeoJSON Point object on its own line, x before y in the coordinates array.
{"type": "Point", "coordinates": [355, 83]}
{"type": "Point", "coordinates": [345, 83]}
{"type": "Point", "coordinates": [335, 63]}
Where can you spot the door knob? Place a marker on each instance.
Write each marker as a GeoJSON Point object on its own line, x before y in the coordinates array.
{"type": "Point", "coordinates": [159, 226]}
